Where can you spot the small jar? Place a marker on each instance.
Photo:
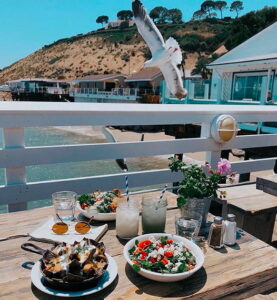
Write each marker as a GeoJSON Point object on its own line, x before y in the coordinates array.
{"type": "Point", "coordinates": [230, 234]}
{"type": "Point", "coordinates": [127, 219]}
{"type": "Point", "coordinates": [153, 214]}
{"type": "Point", "coordinates": [215, 239]}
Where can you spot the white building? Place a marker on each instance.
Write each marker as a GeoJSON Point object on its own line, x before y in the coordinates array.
{"type": "Point", "coordinates": [247, 74]}
{"type": "Point", "coordinates": [117, 23]}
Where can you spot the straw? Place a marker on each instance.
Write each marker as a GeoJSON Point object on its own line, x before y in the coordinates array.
{"type": "Point", "coordinates": [127, 187]}
{"type": "Point", "coordinates": [162, 195]}
{"type": "Point", "coordinates": [163, 192]}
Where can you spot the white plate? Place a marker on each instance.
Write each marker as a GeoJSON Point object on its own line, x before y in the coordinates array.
{"type": "Point", "coordinates": [107, 278]}
{"type": "Point", "coordinates": [197, 252]}
{"type": "Point", "coordinates": [97, 216]}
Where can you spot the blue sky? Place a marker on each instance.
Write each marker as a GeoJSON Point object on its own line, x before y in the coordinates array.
{"type": "Point", "coordinates": [27, 25]}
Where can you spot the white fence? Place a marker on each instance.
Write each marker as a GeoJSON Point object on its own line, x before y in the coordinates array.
{"type": "Point", "coordinates": [14, 157]}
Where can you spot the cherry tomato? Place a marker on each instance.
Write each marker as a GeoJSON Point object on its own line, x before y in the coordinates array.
{"type": "Point", "coordinates": [144, 244]}
{"type": "Point", "coordinates": [169, 241]}
{"type": "Point", "coordinates": [116, 191]}
{"type": "Point", "coordinates": [153, 260]}
{"type": "Point", "coordinates": [135, 262]}
{"type": "Point", "coordinates": [84, 205]}
{"type": "Point", "coordinates": [137, 251]}
{"type": "Point", "coordinates": [168, 253]}
{"type": "Point", "coordinates": [165, 261]}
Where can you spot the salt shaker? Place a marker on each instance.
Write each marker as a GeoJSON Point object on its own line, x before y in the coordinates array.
{"type": "Point", "coordinates": [215, 239]}
{"type": "Point", "coordinates": [230, 234]}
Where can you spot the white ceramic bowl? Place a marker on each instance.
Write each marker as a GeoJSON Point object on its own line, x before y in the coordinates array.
{"type": "Point", "coordinates": [197, 252]}
{"type": "Point", "coordinates": [93, 213]}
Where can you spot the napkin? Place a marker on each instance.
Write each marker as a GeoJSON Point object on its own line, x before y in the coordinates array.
{"type": "Point", "coordinates": [44, 233]}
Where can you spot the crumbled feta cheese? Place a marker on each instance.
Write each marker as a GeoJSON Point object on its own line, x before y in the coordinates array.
{"type": "Point", "coordinates": [154, 254]}
{"type": "Point", "coordinates": [161, 251]}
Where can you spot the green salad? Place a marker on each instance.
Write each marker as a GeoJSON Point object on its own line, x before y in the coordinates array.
{"type": "Point", "coordinates": [162, 255]}
{"type": "Point", "coordinates": [103, 202]}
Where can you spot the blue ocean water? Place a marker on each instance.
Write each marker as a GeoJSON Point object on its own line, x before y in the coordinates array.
{"type": "Point", "coordinates": [48, 136]}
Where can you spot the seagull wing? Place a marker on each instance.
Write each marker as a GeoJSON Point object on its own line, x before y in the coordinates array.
{"type": "Point", "coordinates": [147, 28]}
{"type": "Point", "coordinates": [173, 78]}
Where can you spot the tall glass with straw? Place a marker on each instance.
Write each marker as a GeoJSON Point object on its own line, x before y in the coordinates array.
{"type": "Point", "coordinates": [154, 213]}
{"type": "Point", "coordinates": [127, 216]}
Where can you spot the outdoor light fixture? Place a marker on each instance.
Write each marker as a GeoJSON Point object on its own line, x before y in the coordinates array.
{"type": "Point", "coordinates": [224, 128]}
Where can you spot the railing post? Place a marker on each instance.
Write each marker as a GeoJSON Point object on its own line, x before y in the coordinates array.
{"type": "Point", "coordinates": [210, 156]}
{"type": "Point", "coordinates": [14, 138]}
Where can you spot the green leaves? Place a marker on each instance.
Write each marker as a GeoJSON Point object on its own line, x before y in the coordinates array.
{"type": "Point", "coordinates": [181, 201]}
{"type": "Point", "coordinates": [182, 268]}
{"type": "Point", "coordinates": [175, 164]}
{"type": "Point", "coordinates": [136, 268]}
{"type": "Point", "coordinates": [197, 183]}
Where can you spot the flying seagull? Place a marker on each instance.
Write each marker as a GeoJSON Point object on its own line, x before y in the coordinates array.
{"type": "Point", "coordinates": [165, 55]}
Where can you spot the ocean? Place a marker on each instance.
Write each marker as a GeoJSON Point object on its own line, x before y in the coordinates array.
{"type": "Point", "coordinates": [48, 136]}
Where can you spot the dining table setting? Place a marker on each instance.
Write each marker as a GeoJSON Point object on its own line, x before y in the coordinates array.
{"type": "Point", "coordinates": [84, 247]}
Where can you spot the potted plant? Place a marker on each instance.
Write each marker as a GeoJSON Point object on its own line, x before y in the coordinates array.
{"type": "Point", "coordinates": [200, 184]}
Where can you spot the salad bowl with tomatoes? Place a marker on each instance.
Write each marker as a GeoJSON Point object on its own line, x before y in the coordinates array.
{"type": "Point", "coordinates": [163, 257]}
{"type": "Point", "coordinates": [100, 205]}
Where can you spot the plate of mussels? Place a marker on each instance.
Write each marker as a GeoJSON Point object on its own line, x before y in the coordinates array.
{"type": "Point", "coordinates": [72, 270]}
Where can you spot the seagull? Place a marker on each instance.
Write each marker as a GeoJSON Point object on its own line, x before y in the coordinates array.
{"type": "Point", "coordinates": [165, 55]}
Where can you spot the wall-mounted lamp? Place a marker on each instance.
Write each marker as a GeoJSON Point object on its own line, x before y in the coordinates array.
{"type": "Point", "coordinates": [224, 128]}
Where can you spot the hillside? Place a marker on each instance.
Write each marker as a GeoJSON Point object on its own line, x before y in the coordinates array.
{"type": "Point", "coordinates": [110, 51]}
{"type": "Point", "coordinates": [124, 51]}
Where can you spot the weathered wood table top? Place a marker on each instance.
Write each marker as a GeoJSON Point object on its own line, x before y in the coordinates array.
{"type": "Point", "coordinates": [236, 272]}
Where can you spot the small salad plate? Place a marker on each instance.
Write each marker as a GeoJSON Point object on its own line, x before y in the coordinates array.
{"type": "Point", "coordinates": [107, 278]}
{"type": "Point", "coordinates": [100, 205]}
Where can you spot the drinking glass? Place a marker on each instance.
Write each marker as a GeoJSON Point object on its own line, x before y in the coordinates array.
{"type": "Point", "coordinates": [127, 219]}
{"type": "Point", "coordinates": [64, 204]}
{"type": "Point", "coordinates": [153, 214]}
{"type": "Point", "coordinates": [188, 225]}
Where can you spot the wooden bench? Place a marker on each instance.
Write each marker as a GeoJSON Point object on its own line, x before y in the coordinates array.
{"type": "Point", "coordinates": [255, 210]}
{"type": "Point", "coordinates": [268, 184]}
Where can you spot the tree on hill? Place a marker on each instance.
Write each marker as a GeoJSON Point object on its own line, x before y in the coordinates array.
{"type": "Point", "coordinates": [220, 5]}
{"type": "Point", "coordinates": [175, 16]}
{"type": "Point", "coordinates": [160, 14]}
{"type": "Point", "coordinates": [125, 15]}
{"type": "Point", "coordinates": [208, 7]}
{"type": "Point", "coordinates": [102, 20]}
{"type": "Point", "coordinates": [199, 15]}
{"type": "Point", "coordinates": [236, 6]}
{"type": "Point", "coordinates": [248, 25]}
{"type": "Point", "coordinates": [201, 66]}
{"type": "Point", "coordinates": [154, 15]}
{"type": "Point", "coordinates": [124, 25]}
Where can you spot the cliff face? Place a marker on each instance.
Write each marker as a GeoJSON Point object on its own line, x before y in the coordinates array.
{"type": "Point", "coordinates": [110, 51]}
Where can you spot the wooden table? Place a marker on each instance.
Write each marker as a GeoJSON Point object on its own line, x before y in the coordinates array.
{"type": "Point", "coordinates": [268, 184]}
{"type": "Point", "coordinates": [236, 272]}
{"type": "Point", "coordinates": [255, 210]}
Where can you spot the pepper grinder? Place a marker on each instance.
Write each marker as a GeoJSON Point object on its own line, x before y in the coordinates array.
{"type": "Point", "coordinates": [215, 239]}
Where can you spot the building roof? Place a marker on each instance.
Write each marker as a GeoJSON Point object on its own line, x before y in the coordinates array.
{"type": "Point", "coordinates": [146, 74]}
{"type": "Point", "coordinates": [262, 47]}
{"type": "Point", "coordinates": [97, 78]}
{"type": "Point", "coordinates": [36, 79]}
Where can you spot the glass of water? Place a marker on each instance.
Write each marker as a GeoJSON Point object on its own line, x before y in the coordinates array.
{"type": "Point", "coordinates": [188, 225]}
{"type": "Point", "coordinates": [64, 204]}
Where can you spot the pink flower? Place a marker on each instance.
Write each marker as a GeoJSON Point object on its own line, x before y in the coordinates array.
{"type": "Point", "coordinates": [224, 166]}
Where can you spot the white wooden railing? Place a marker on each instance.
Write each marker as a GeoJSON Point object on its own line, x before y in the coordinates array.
{"type": "Point", "coordinates": [15, 157]}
